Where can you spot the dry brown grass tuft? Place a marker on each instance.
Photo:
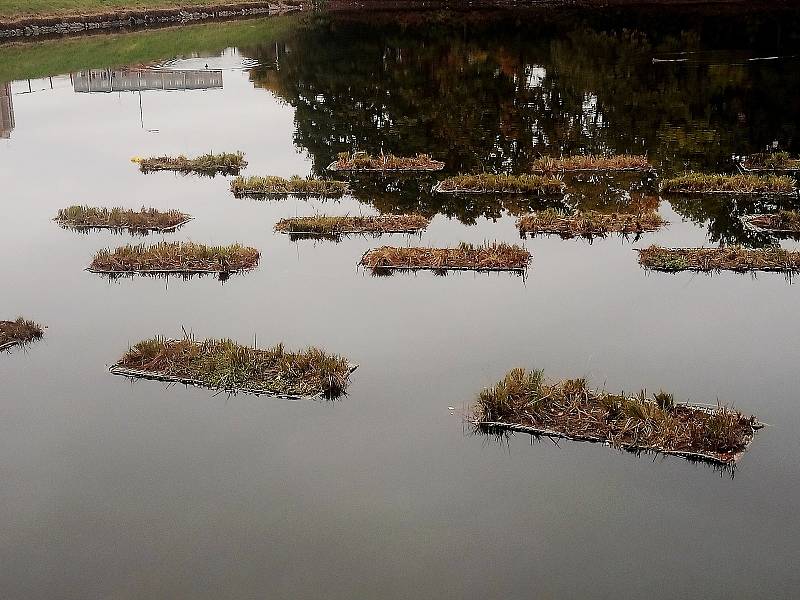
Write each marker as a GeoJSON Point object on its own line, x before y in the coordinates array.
{"type": "Point", "coordinates": [487, 257]}
{"type": "Point", "coordinates": [19, 332]}
{"type": "Point", "coordinates": [719, 259]}
{"type": "Point", "coordinates": [773, 161]}
{"type": "Point", "coordinates": [699, 183]}
{"type": "Point", "coordinates": [591, 162]}
{"type": "Point", "coordinates": [226, 365]}
{"type": "Point", "coordinates": [524, 401]}
{"type": "Point", "coordinates": [175, 257]}
{"type": "Point", "coordinates": [141, 221]}
{"type": "Point", "coordinates": [589, 224]}
{"type": "Point", "coordinates": [295, 186]}
{"type": "Point", "coordinates": [323, 225]}
{"type": "Point", "coordinates": [785, 221]}
{"type": "Point", "coordinates": [361, 161]}
{"type": "Point", "coordinates": [487, 183]}
{"type": "Point", "coordinates": [207, 164]}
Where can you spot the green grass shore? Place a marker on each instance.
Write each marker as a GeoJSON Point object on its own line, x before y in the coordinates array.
{"type": "Point", "coordinates": [41, 58]}
{"type": "Point", "coordinates": [25, 9]}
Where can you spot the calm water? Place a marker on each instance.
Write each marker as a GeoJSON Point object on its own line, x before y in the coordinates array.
{"type": "Point", "coordinates": [119, 490]}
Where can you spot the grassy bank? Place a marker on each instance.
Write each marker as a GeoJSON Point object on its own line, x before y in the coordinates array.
{"type": "Point", "coordinates": [32, 59]}
{"type": "Point", "coordinates": [25, 9]}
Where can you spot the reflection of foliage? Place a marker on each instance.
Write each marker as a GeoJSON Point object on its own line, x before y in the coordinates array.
{"type": "Point", "coordinates": [723, 215]}
{"type": "Point", "coordinates": [493, 92]}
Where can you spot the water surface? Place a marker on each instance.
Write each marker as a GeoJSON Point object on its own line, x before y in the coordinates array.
{"type": "Point", "coordinates": [120, 490]}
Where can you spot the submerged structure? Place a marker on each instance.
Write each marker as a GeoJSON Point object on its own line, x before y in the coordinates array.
{"type": "Point", "coordinates": [231, 367]}
{"type": "Point", "coordinates": [465, 257]}
{"type": "Point", "coordinates": [18, 333]}
{"type": "Point", "coordinates": [524, 401]}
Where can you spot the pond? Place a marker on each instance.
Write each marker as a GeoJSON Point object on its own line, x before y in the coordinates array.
{"type": "Point", "coordinates": [136, 490]}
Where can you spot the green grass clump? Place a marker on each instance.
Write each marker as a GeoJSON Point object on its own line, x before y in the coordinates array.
{"type": "Point", "coordinates": [175, 257]}
{"type": "Point", "coordinates": [226, 365]}
{"type": "Point", "coordinates": [19, 332]}
{"type": "Point", "coordinates": [591, 162]}
{"type": "Point", "coordinates": [323, 225]}
{"type": "Point", "coordinates": [207, 164]}
{"type": "Point", "coordinates": [361, 161]}
{"type": "Point", "coordinates": [720, 259]}
{"type": "Point", "coordinates": [772, 161]}
{"type": "Point", "coordinates": [141, 221]}
{"type": "Point", "coordinates": [525, 400]}
{"type": "Point", "coordinates": [700, 183]}
{"type": "Point", "coordinates": [589, 223]}
{"type": "Point", "coordinates": [486, 183]}
{"type": "Point", "coordinates": [486, 257]}
{"type": "Point", "coordinates": [294, 186]}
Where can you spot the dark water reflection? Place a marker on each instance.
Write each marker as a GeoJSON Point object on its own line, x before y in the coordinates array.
{"type": "Point", "coordinates": [119, 490]}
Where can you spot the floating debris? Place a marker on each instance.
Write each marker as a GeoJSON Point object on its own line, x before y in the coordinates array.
{"type": "Point", "coordinates": [783, 222]}
{"type": "Point", "coordinates": [771, 162]}
{"type": "Point", "coordinates": [699, 183]}
{"type": "Point", "coordinates": [228, 366]}
{"type": "Point", "coordinates": [487, 183]}
{"type": "Point", "coordinates": [719, 259]}
{"type": "Point", "coordinates": [18, 333]}
{"type": "Point", "coordinates": [465, 257]}
{"type": "Point", "coordinates": [85, 218]}
{"type": "Point", "coordinates": [181, 258]}
{"type": "Point", "coordinates": [295, 186]}
{"type": "Point", "coordinates": [361, 161]}
{"type": "Point", "coordinates": [334, 227]}
{"type": "Point", "coordinates": [589, 224]}
{"type": "Point", "coordinates": [592, 163]}
{"type": "Point", "coordinates": [524, 401]}
{"type": "Point", "coordinates": [207, 164]}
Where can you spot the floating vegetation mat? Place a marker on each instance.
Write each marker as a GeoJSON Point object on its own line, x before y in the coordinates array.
{"type": "Point", "coordinates": [207, 164]}
{"type": "Point", "coordinates": [84, 218]}
{"type": "Point", "coordinates": [361, 161]}
{"type": "Point", "coordinates": [770, 162]}
{"type": "Point", "coordinates": [785, 221]}
{"type": "Point", "coordinates": [487, 183]}
{"type": "Point", "coordinates": [181, 258]}
{"type": "Point", "coordinates": [334, 227]}
{"type": "Point", "coordinates": [295, 186]}
{"type": "Point", "coordinates": [228, 366]}
{"type": "Point", "coordinates": [719, 259]}
{"type": "Point", "coordinates": [466, 257]}
{"type": "Point", "coordinates": [525, 401]}
{"type": "Point", "coordinates": [699, 183]}
{"type": "Point", "coordinates": [18, 333]}
{"type": "Point", "coordinates": [590, 162]}
{"type": "Point", "coordinates": [588, 224]}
